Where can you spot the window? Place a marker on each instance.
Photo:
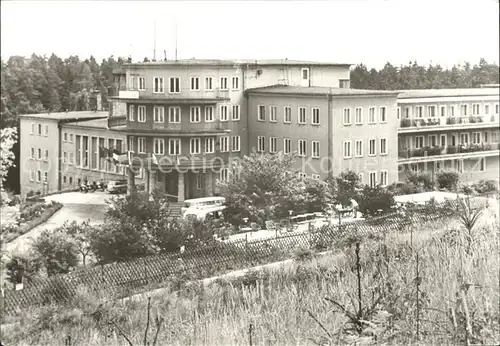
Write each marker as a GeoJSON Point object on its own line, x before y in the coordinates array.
{"type": "Point", "coordinates": [371, 115]}
{"type": "Point", "coordinates": [46, 155]}
{"type": "Point", "coordinates": [235, 143]}
{"type": "Point", "coordinates": [485, 137]}
{"type": "Point", "coordinates": [194, 112]}
{"type": "Point", "coordinates": [463, 110]}
{"type": "Point", "coordinates": [79, 150]}
{"type": "Point", "coordinates": [476, 137]}
{"type": "Point", "coordinates": [482, 164]}
{"type": "Point", "coordinates": [261, 144]}
{"type": "Point", "coordinates": [33, 153]}
{"type": "Point", "coordinates": [302, 115]}
{"type": "Point", "coordinates": [347, 116]}
{"type": "Point", "coordinates": [372, 147]}
{"type": "Point", "coordinates": [261, 113]}
{"type": "Point", "coordinates": [494, 136]}
{"type": "Point", "coordinates": [459, 166]}
{"type": "Point", "coordinates": [419, 142]}
{"type": "Point", "coordinates": [475, 109]}
{"type": "Point", "coordinates": [141, 114]}
{"type": "Point", "coordinates": [315, 116]}
{"type": "Point", "coordinates": [272, 114]}
{"type": "Point", "coordinates": [195, 83]}
{"type": "Point", "coordinates": [235, 83]}
{"type": "Point", "coordinates": [131, 113]}
{"type": "Point", "coordinates": [64, 179]}
{"type": "Point", "coordinates": [315, 149]}
{"type": "Point", "coordinates": [85, 142]}
{"type": "Point", "coordinates": [159, 146]}
{"type": "Point", "coordinates": [383, 177]}
{"type": "Point", "coordinates": [486, 109]}
{"type": "Point", "coordinates": [40, 129]}
{"type": "Point", "coordinates": [305, 74]}
{"type": "Point", "coordinates": [442, 111]}
{"type": "Point", "coordinates": [383, 146]}
{"type": "Point", "coordinates": [420, 111]}
{"type": "Point", "coordinates": [208, 83]}
{"type": "Point", "coordinates": [209, 114]}
{"type": "Point", "coordinates": [174, 115]}
{"type": "Point", "coordinates": [101, 158]}
{"type": "Point", "coordinates": [174, 85]}
{"type": "Point", "coordinates": [71, 138]}
{"type": "Point", "coordinates": [141, 145]}
{"type": "Point", "coordinates": [236, 113]}
{"type": "Point", "coordinates": [158, 85]}
{"type": "Point", "coordinates": [224, 174]}
{"type": "Point", "coordinates": [432, 141]}
{"type": "Point", "coordinates": [39, 154]}
{"type": "Point", "coordinates": [159, 114]}
{"type": "Point", "coordinates": [224, 144]}
{"type": "Point", "coordinates": [358, 117]}
{"type": "Point", "coordinates": [194, 145]}
{"type": "Point", "coordinates": [452, 111]}
{"type": "Point", "coordinates": [373, 179]}
{"type": "Point", "coordinates": [39, 176]}
{"type": "Point", "coordinates": [199, 182]}
{"type": "Point", "coordinates": [142, 83]}
{"type": "Point", "coordinates": [407, 112]}
{"type": "Point", "coordinates": [46, 128]}
{"type": "Point", "coordinates": [358, 150]}
{"type": "Point", "coordinates": [94, 152]}
{"type": "Point", "coordinates": [223, 113]}
{"type": "Point", "coordinates": [32, 128]}
{"type": "Point", "coordinates": [209, 145]}
{"type": "Point", "coordinates": [464, 138]}
{"type": "Point", "coordinates": [288, 114]}
{"type": "Point", "coordinates": [174, 146]}
{"type": "Point", "coordinates": [71, 180]}
{"type": "Point", "coordinates": [399, 113]}
{"type": "Point", "coordinates": [347, 149]}
{"type": "Point", "coordinates": [71, 159]}
{"type": "Point", "coordinates": [273, 144]}
{"type": "Point", "coordinates": [302, 147]}
{"type": "Point", "coordinates": [496, 108]}
{"type": "Point", "coordinates": [223, 83]}
{"type": "Point", "coordinates": [431, 111]}
{"type": "Point", "coordinates": [287, 145]}
{"type": "Point", "coordinates": [131, 143]}
{"type": "Point", "coordinates": [383, 114]}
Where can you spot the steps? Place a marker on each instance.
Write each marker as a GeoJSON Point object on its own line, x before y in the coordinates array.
{"type": "Point", "coordinates": [175, 209]}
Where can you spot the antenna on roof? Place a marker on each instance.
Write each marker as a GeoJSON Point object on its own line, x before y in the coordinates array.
{"type": "Point", "coordinates": [154, 49]}
{"type": "Point", "coordinates": [176, 39]}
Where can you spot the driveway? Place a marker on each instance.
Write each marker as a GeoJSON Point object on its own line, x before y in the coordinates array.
{"type": "Point", "coordinates": [77, 207]}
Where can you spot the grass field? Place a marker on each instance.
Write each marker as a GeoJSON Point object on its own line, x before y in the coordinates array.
{"type": "Point", "coordinates": [429, 287]}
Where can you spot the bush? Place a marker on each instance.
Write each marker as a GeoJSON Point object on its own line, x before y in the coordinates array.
{"type": "Point", "coordinates": [55, 253]}
{"type": "Point", "coordinates": [484, 186]}
{"type": "Point", "coordinates": [418, 179]}
{"type": "Point", "coordinates": [374, 199]}
{"type": "Point", "coordinates": [447, 180]}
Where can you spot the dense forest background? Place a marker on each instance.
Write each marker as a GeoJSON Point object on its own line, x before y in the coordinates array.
{"type": "Point", "coordinates": [40, 84]}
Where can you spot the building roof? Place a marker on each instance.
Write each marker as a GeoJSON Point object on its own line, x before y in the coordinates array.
{"type": "Point", "coordinates": [96, 123]}
{"type": "Point", "coordinates": [295, 90]}
{"type": "Point", "coordinates": [409, 94]}
{"type": "Point", "coordinates": [233, 62]}
{"type": "Point", "coordinates": [67, 116]}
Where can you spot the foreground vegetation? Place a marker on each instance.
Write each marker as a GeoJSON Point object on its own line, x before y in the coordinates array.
{"type": "Point", "coordinates": [436, 287]}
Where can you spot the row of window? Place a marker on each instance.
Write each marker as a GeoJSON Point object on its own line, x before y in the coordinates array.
{"type": "Point", "coordinates": [463, 139]}
{"type": "Point", "coordinates": [87, 153]}
{"type": "Point", "coordinates": [226, 144]}
{"type": "Point", "coordinates": [359, 151]}
{"type": "Point", "coordinates": [174, 114]}
{"type": "Point", "coordinates": [432, 110]}
{"type": "Point", "coordinates": [457, 165]}
{"type": "Point", "coordinates": [39, 176]}
{"type": "Point", "coordinates": [195, 84]}
{"type": "Point", "coordinates": [36, 129]}
{"type": "Point", "coordinates": [34, 156]}
{"type": "Point", "coordinates": [315, 115]}
{"type": "Point", "coordinates": [287, 146]}
{"type": "Point", "coordinates": [67, 137]}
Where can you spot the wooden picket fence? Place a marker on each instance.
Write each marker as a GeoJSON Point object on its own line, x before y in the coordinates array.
{"type": "Point", "coordinates": [119, 280]}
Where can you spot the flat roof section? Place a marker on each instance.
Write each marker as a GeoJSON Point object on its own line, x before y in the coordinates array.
{"type": "Point", "coordinates": [67, 116]}
{"type": "Point", "coordinates": [426, 93]}
{"type": "Point", "coordinates": [299, 90]}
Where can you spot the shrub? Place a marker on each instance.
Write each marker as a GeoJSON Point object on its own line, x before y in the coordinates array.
{"type": "Point", "coordinates": [55, 253]}
{"type": "Point", "coordinates": [484, 186]}
{"type": "Point", "coordinates": [374, 199]}
{"type": "Point", "coordinates": [447, 180]}
{"type": "Point", "coordinates": [420, 179]}
{"type": "Point", "coordinates": [19, 267]}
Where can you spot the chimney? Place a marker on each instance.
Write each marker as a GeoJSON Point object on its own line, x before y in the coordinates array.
{"type": "Point", "coordinates": [98, 99]}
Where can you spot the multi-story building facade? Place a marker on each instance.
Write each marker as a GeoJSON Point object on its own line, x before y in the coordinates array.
{"type": "Point", "coordinates": [60, 150]}
{"type": "Point", "coordinates": [331, 129]}
{"type": "Point", "coordinates": [193, 114]}
{"type": "Point", "coordinates": [449, 129]}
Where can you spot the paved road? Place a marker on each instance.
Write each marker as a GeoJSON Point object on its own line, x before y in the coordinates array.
{"type": "Point", "coordinates": [77, 206]}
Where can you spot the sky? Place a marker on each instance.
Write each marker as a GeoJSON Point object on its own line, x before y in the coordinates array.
{"type": "Point", "coordinates": [371, 32]}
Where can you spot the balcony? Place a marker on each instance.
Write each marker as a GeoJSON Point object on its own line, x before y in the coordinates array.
{"type": "Point", "coordinates": [182, 129]}
{"type": "Point", "coordinates": [192, 161]}
{"type": "Point", "coordinates": [427, 154]}
{"type": "Point", "coordinates": [448, 123]}
{"type": "Point", "coordinates": [185, 96]}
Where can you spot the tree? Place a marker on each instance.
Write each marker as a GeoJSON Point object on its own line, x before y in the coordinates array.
{"type": "Point", "coordinates": [264, 187]}
{"type": "Point", "coordinates": [79, 235]}
{"type": "Point", "coordinates": [447, 180]}
{"type": "Point", "coordinates": [20, 268]}
{"type": "Point", "coordinates": [375, 199]}
{"type": "Point", "coordinates": [8, 138]}
{"type": "Point", "coordinates": [344, 187]}
{"type": "Point", "coordinates": [55, 253]}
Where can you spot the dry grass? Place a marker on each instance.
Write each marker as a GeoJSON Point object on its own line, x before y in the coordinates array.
{"type": "Point", "coordinates": [458, 292]}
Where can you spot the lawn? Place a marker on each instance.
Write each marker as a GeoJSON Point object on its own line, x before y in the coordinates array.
{"type": "Point", "coordinates": [426, 287]}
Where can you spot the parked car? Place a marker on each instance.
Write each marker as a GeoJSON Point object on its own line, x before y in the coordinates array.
{"type": "Point", "coordinates": [209, 213]}
{"type": "Point", "coordinates": [117, 186]}
{"type": "Point", "coordinates": [201, 203]}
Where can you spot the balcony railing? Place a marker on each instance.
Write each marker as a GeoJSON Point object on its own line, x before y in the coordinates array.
{"type": "Point", "coordinates": [191, 161]}
{"type": "Point", "coordinates": [447, 150]}
{"type": "Point", "coordinates": [125, 92]}
{"type": "Point", "coordinates": [442, 121]}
